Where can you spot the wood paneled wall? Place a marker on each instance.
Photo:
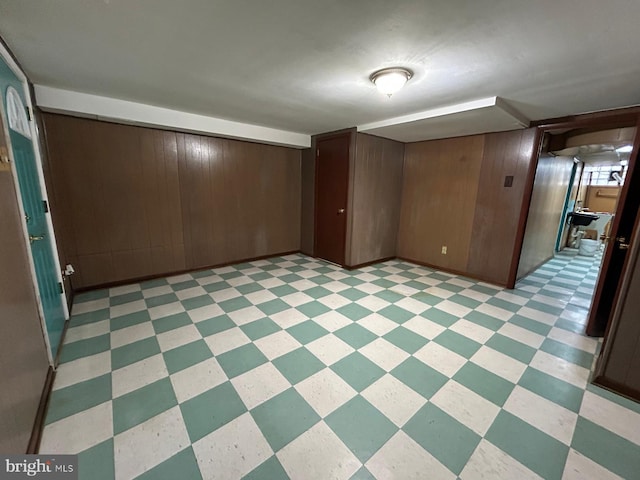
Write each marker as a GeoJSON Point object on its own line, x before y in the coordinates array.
{"type": "Point", "coordinates": [134, 202]}
{"type": "Point", "coordinates": [454, 195]}
{"type": "Point", "coordinates": [553, 175]}
{"type": "Point", "coordinates": [600, 198]}
{"type": "Point", "coordinates": [376, 195]}
{"type": "Point", "coordinates": [308, 181]}
{"type": "Point", "coordinates": [23, 353]}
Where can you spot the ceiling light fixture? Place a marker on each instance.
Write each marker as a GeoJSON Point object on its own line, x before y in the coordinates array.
{"type": "Point", "coordinates": [625, 149]}
{"type": "Point", "coordinates": [390, 80]}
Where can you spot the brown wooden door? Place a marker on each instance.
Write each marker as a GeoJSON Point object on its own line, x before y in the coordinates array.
{"type": "Point", "coordinates": [615, 258]}
{"type": "Point", "coordinates": [332, 185]}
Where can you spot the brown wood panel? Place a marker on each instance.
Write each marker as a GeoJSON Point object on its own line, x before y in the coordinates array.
{"type": "Point", "coordinates": [22, 349]}
{"type": "Point", "coordinates": [498, 208]}
{"type": "Point", "coordinates": [438, 197]}
{"type": "Point", "coordinates": [136, 202]}
{"type": "Point", "coordinates": [547, 203]}
{"type": "Point", "coordinates": [377, 196]}
{"type": "Point", "coordinates": [600, 198]}
{"type": "Point", "coordinates": [308, 176]}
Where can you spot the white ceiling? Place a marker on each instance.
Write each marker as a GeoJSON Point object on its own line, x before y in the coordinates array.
{"type": "Point", "coordinates": [303, 66]}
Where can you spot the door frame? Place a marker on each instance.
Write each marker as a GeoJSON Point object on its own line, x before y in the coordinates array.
{"type": "Point", "coordinates": [10, 61]}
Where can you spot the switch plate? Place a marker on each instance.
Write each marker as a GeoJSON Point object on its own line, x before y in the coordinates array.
{"type": "Point", "coordinates": [444, 250]}
{"type": "Point", "coordinates": [508, 181]}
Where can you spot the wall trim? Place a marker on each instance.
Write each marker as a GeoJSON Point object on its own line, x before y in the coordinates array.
{"type": "Point", "coordinates": [366, 264]}
{"type": "Point", "coordinates": [455, 272]}
{"type": "Point", "coordinates": [38, 423]}
{"type": "Point", "coordinates": [57, 100]}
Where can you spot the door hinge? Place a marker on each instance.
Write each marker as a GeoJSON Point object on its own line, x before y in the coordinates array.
{"type": "Point", "coordinates": [45, 205]}
{"type": "Point", "coordinates": [28, 113]}
{"type": "Point", "coordinates": [60, 290]}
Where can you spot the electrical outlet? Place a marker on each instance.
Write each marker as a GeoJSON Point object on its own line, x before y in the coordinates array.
{"type": "Point", "coordinates": [444, 249]}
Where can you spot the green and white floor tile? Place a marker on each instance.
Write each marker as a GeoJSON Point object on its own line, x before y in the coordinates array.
{"type": "Point", "coordinates": [294, 368]}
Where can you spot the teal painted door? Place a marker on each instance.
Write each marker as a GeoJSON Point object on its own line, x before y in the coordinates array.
{"type": "Point", "coordinates": [34, 209]}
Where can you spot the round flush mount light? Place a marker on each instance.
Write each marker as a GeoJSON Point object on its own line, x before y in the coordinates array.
{"type": "Point", "coordinates": [625, 149]}
{"type": "Point", "coordinates": [390, 80]}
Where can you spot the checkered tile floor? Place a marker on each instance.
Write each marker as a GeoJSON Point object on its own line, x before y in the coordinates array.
{"type": "Point", "coordinates": [293, 368]}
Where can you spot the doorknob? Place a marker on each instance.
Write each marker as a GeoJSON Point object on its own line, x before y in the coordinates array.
{"type": "Point", "coordinates": [340, 211]}
{"type": "Point", "coordinates": [622, 243]}
{"type": "Point", "coordinates": [35, 238]}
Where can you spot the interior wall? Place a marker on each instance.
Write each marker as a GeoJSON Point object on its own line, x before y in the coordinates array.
{"type": "Point", "coordinates": [454, 195]}
{"type": "Point", "coordinates": [376, 198]}
{"type": "Point", "coordinates": [308, 176]}
{"type": "Point", "coordinates": [553, 175]}
{"type": "Point", "coordinates": [441, 180]}
{"type": "Point", "coordinates": [600, 198]}
{"type": "Point", "coordinates": [23, 353]}
{"type": "Point", "coordinates": [134, 202]}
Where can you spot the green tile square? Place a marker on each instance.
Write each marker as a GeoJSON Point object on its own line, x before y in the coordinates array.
{"type": "Point", "coordinates": [197, 302]}
{"type": "Point", "coordinates": [484, 289]}
{"type": "Point", "coordinates": [184, 285]}
{"type": "Point", "coordinates": [361, 427]}
{"type": "Point", "coordinates": [355, 335]}
{"type": "Point", "coordinates": [570, 326]}
{"type": "Point", "coordinates": [420, 377]}
{"type": "Point", "coordinates": [283, 290]}
{"type": "Point", "coordinates": [126, 298]}
{"type": "Point", "coordinates": [519, 351]}
{"type": "Point", "coordinates": [186, 355]}
{"type": "Point", "coordinates": [203, 273]}
{"type": "Point", "coordinates": [484, 320]}
{"type": "Point", "coordinates": [248, 288]}
{"type": "Point", "coordinates": [384, 283]}
{"type": "Point", "coordinates": [570, 354]}
{"type": "Point", "coordinates": [84, 348]}
{"type": "Point", "coordinates": [182, 465]}
{"type": "Point", "coordinates": [307, 332]}
{"type": "Point", "coordinates": [171, 322]}
{"type": "Point", "coordinates": [156, 282]}
{"type": "Point", "coordinates": [389, 295]}
{"type": "Point", "coordinates": [298, 365]}
{"type": "Point", "coordinates": [284, 417]}
{"type": "Point", "coordinates": [440, 317]}
{"type": "Point", "coordinates": [417, 285]}
{"type": "Point", "coordinates": [274, 306]}
{"type": "Point", "coordinates": [97, 462]}
{"type": "Point", "coordinates": [509, 306]}
{"type": "Point", "coordinates": [215, 325]}
{"type": "Point", "coordinates": [464, 301]}
{"type": "Point", "coordinates": [89, 317]}
{"type": "Point", "coordinates": [269, 470]}
{"type": "Point", "coordinates": [543, 307]}
{"type": "Point", "coordinates": [451, 287]}
{"type": "Point", "coordinates": [439, 276]}
{"type": "Point", "coordinates": [211, 410]}
{"type": "Point", "coordinates": [552, 388]}
{"type": "Point", "coordinates": [458, 343]}
{"type": "Point", "coordinates": [129, 320]}
{"type": "Point", "coordinates": [405, 339]}
{"type": "Point", "coordinates": [134, 352]}
{"type": "Point", "coordinates": [531, 325]}
{"type": "Point", "coordinates": [161, 300]}
{"type": "Point", "coordinates": [317, 292]}
{"type": "Point", "coordinates": [614, 397]}
{"type": "Point", "coordinates": [260, 328]}
{"type": "Point", "coordinates": [320, 279]}
{"type": "Point", "coordinates": [396, 314]}
{"type": "Point", "coordinates": [362, 474]}
{"type": "Point", "coordinates": [79, 397]}
{"type": "Point", "coordinates": [217, 286]}
{"type": "Point", "coordinates": [353, 294]}
{"type": "Point", "coordinates": [290, 278]}
{"type": "Point", "coordinates": [260, 276]}
{"type": "Point", "coordinates": [442, 436]}
{"type": "Point", "coordinates": [313, 309]}
{"type": "Point", "coordinates": [354, 311]}
{"type": "Point", "coordinates": [352, 281]}
{"type": "Point", "coordinates": [135, 407]}
{"type": "Point", "coordinates": [536, 450]}
{"type": "Point", "coordinates": [241, 360]}
{"type": "Point", "coordinates": [485, 383]}
{"type": "Point", "coordinates": [90, 296]}
{"type": "Point", "coordinates": [230, 275]}
{"type": "Point", "coordinates": [358, 371]}
{"type": "Point", "coordinates": [427, 298]}
{"type": "Point", "coordinates": [234, 304]}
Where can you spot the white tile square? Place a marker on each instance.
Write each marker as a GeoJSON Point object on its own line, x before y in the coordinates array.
{"type": "Point", "coordinates": [543, 414]}
{"type": "Point", "coordinates": [475, 295]}
{"type": "Point", "coordinates": [277, 344]}
{"type": "Point", "coordinates": [157, 291]}
{"type": "Point", "coordinates": [162, 311]}
{"type": "Point", "coordinates": [472, 330]}
{"type": "Point", "coordinates": [128, 335]}
{"type": "Point", "coordinates": [191, 292]}
{"type": "Point", "coordinates": [197, 379]}
{"type": "Point", "coordinates": [127, 308]}
{"type": "Point", "coordinates": [575, 340]}
{"type": "Point", "coordinates": [393, 398]}
{"type": "Point", "coordinates": [296, 299]}
{"type": "Point", "coordinates": [226, 294]}
{"type": "Point", "coordinates": [325, 391]}
{"type": "Point", "coordinates": [260, 384]}
{"type": "Point", "coordinates": [442, 359]}
{"type": "Point", "coordinates": [304, 284]}
{"type": "Point", "coordinates": [499, 363]}
{"type": "Point", "coordinates": [511, 297]}
{"type": "Point", "coordinates": [412, 305]}
{"type": "Point", "coordinates": [336, 286]}
{"type": "Point", "coordinates": [377, 324]}
{"type": "Point", "coordinates": [621, 421]}
{"type": "Point", "coordinates": [495, 312]}
{"type": "Point", "coordinates": [334, 300]}
{"type": "Point", "coordinates": [521, 335]}
{"type": "Point", "coordinates": [405, 289]}
{"type": "Point", "coordinates": [183, 277]}
{"type": "Point", "coordinates": [453, 308]}
{"type": "Point", "coordinates": [209, 279]}
{"type": "Point", "coordinates": [246, 315]}
{"type": "Point", "coordinates": [560, 368]}
{"type": "Point", "coordinates": [76, 433]}
{"type": "Point", "coordinates": [233, 450]}
{"type": "Point", "coordinates": [332, 321]}
{"type": "Point", "coordinates": [239, 281]}
{"type": "Point", "coordinates": [138, 375]}
{"type": "Point", "coordinates": [89, 330]}
{"type": "Point", "coordinates": [466, 406]}
{"type": "Point", "coordinates": [82, 369]}
{"type": "Point", "coordinates": [370, 288]}
{"type": "Point", "coordinates": [439, 292]}
{"type": "Point", "coordinates": [402, 458]}
{"type": "Point", "coordinates": [329, 349]}
{"type": "Point", "coordinates": [90, 306]}
{"type": "Point", "coordinates": [271, 282]}
{"type": "Point", "coordinates": [424, 327]}
{"type": "Point", "coordinates": [288, 318]}
{"type": "Point", "coordinates": [318, 453]}
{"type": "Point", "coordinates": [490, 462]}
{"type": "Point", "coordinates": [384, 354]}
{"type": "Point", "coordinates": [205, 313]}
{"type": "Point", "coordinates": [228, 340]}
{"type": "Point", "coordinates": [579, 467]}
{"type": "Point", "coordinates": [537, 315]}
{"type": "Point", "coordinates": [372, 303]}
{"type": "Point", "coordinates": [138, 449]}
{"type": "Point", "coordinates": [260, 296]}
{"type": "Point", "coordinates": [178, 337]}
